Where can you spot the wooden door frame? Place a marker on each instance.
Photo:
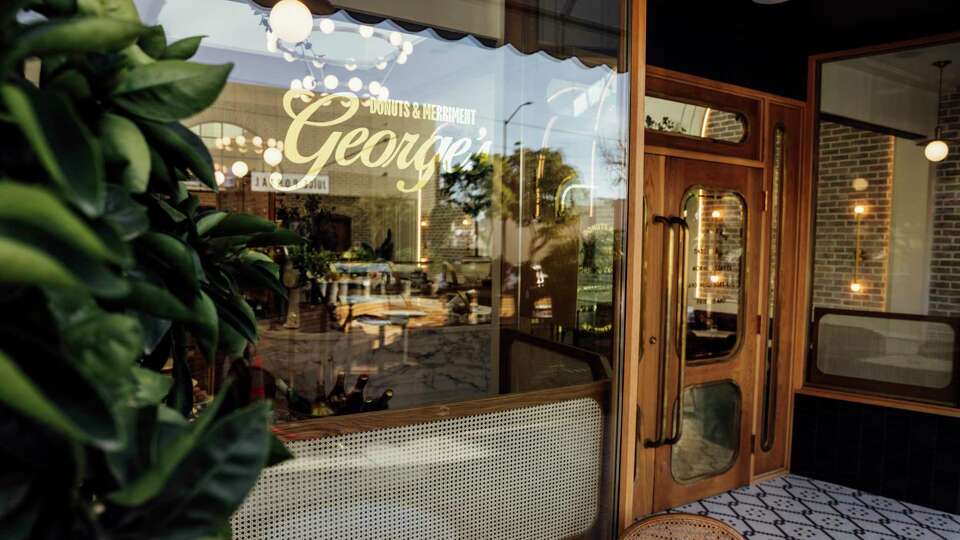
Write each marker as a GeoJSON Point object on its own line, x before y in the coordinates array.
{"type": "Point", "coordinates": [637, 467]}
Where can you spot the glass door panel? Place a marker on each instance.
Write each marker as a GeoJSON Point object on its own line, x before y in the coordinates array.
{"type": "Point", "coordinates": [715, 251]}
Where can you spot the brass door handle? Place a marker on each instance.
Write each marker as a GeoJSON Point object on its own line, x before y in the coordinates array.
{"type": "Point", "coordinates": [668, 289]}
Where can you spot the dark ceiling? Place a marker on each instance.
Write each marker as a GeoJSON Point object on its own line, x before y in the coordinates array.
{"type": "Point", "coordinates": [766, 46]}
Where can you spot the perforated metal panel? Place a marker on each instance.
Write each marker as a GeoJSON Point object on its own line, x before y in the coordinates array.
{"type": "Point", "coordinates": [531, 473]}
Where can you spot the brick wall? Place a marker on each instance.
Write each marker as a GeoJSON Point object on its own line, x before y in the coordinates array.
{"type": "Point", "coordinates": [723, 126]}
{"type": "Point", "coordinates": [945, 252]}
{"type": "Point", "coordinates": [847, 154]}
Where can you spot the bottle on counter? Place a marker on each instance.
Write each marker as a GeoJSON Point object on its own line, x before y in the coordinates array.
{"type": "Point", "coordinates": [337, 397]}
{"type": "Point", "coordinates": [320, 405]}
{"type": "Point", "coordinates": [295, 402]}
{"type": "Point", "coordinates": [354, 400]}
{"type": "Point", "coordinates": [382, 403]}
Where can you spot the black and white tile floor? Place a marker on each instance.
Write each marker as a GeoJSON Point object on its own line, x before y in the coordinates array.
{"type": "Point", "coordinates": [800, 508]}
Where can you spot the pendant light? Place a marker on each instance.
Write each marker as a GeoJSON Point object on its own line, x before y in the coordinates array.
{"type": "Point", "coordinates": [291, 21]}
{"type": "Point", "coordinates": [937, 150]}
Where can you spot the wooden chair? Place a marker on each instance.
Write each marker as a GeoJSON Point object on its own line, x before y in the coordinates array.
{"type": "Point", "coordinates": [680, 527]}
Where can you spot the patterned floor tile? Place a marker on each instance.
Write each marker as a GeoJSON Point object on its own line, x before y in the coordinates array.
{"type": "Point", "coordinates": [797, 508]}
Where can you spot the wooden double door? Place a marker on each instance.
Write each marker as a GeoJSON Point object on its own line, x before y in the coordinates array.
{"type": "Point", "coordinates": [702, 326]}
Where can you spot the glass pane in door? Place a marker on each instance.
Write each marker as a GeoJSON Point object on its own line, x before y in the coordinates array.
{"type": "Point", "coordinates": [711, 432]}
{"type": "Point", "coordinates": [717, 221]}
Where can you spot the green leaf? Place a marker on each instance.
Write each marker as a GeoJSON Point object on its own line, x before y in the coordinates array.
{"type": "Point", "coordinates": [182, 148]}
{"type": "Point", "coordinates": [280, 237]}
{"type": "Point", "coordinates": [278, 452]}
{"type": "Point", "coordinates": [37, 208]}
{"type": "Point", "coordinates": [205, 326]}
{"type": "Point", "coordinates": [125, 145]}
{"type": "Point", "coordinates": [151, 387]}
{"type": "Point", "coordinates": [213, 479]}
{"type": "Point", "coordinates": [20, 393]}
{"type": "Point", "coordinates": [170, 90]}
{"type": "Point", "coordinates": [172, 254]}
{"type": "Point", "coordinates": [169, 456]}
{"type": "Point", "coordinates": [153, 41]}
{"type": "Point", "coordinates": [105, 348]}
{"type": "Point", "coordinates": [157, 301]}
{"type": "Point", "coordinates": [231, 343]}
{"type": "Point", "coordinates": [62, 143]}
{"type": "Point", "coordinates": [21, 264]}
{"type": "Point", "coordinates": [183, 49]}
{"type": "Point", "coordinates": [242, 224]}
{"type": "Point", "coordinates": [209, 221]}
{"type": "Point", "coordinates": [116, 9]}
{"type": "Point", "coordinates": [127, 217]}
{"type": "Point", "coordinates": [73, 35]}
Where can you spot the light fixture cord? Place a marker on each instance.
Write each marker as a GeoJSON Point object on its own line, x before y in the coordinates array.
{"type": "Point", "coordinates": [939, 129]}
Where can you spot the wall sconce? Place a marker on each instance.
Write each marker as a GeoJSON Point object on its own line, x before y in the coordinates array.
{"type": "Point", "coordinates": [855, 285]}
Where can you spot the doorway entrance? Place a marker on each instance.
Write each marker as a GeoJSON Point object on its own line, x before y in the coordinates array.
{"type": "Point", "coordinates": [708, 249]}
{"type": "Point", "coordinates": [721, 170]}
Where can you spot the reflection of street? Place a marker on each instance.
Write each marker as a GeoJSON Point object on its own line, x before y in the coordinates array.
{"type": "Point", "coordinates": [410, 349]}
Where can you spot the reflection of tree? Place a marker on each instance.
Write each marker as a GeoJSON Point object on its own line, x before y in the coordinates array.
{"type": "Point", "coordinates": [470, 187]}
{"type": "Point", "coordinates": [615, 158]}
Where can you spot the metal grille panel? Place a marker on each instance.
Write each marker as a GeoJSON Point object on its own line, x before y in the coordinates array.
{"type": "Point", "coordinates": [531, 473]}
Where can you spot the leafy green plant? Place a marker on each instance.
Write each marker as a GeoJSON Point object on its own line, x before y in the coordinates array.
{"type": "Point", "coordinates": [108, 271]}
{"type": "Point", "coordinates": [312, 263]}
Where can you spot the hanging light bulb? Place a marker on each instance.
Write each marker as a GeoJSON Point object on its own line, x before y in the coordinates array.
{"type": "Point", "coordinates": [272, 156]}
{"type": "Point", "coordinates": [855, 286]}
{"type": "Point", "coordinates": [402, 58]}
{"type": "Point", "coordinates": [296, 85]}
{"type": "Point", "coordinates": [330, 82]}
{"type": "Point", "coordinates": [241, 140]}
{"type": "Point", "coordinates": [239, 169]}
{"type": "Point", "coordinates": [382, 65]}
{"type": "Point", "coordinates": [375, 88]}
{"type": "Point", "coordinates": [350, 65]}
{"type": "Point", "coordinates": [327, 26]}
{"type": "Point", "coordinates": [257, 141]}
{"type": "Point", "coordinates": [291, 21]}
{"type": "Point", "coordinates": [219, 177]}
{"type": "Point", "coordinates": [396, 39]}
{"type": "Point", "coordinates": [937, 150]}
{"type": "Point", "coordinates": [407, 47]}
{"type": "Point", "coordinates": [309, 82]}
{"type": "Point", "coordinates": [355, 84]}
{"type": "Point", "coordinates": [365, 31]}
{"type": "Point", "coordinates": [384, 92]}
{"type": "Point", "coordinates": [271, 142]}
{"type": "Point", "coordinates": [276, 178]}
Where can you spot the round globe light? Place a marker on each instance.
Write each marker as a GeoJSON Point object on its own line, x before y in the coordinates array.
{"type": "Point", "coordinates": [936, 151]}
{"type": "Point", "coordinates": [327, 26]}
{"type": "Point", "coordinates": [291, 21]}
{"type": "Point", "coordinates": [365, 31]}
{"type": "Point", "coordinates": [271, 142]}
{"type": "Point", "coordinates": [396, 39]}
{"type": "Point", "coordinates": [296, 85]}
{"type": "Point", "coordinates": [401, 58]}
{"type": "Point", "coordinates": [355, 84]}
{"type": "Point", "coordinates": [375, 88]}
{"type": "Point", "coordinates": [855, 287]}
{"type": "Point", "coordinates": [239, 169]}
{"type": "Point", "coordinates": [241, 140]}
{"type": "Point", "coordinates": [219, 177]}
{"type": "Point", "coordinates": [272, 156]}
{"type": "Point", "coordinates": [276, 178]}
{"type": "Point", "coordinates": [350, 65]}
{"type": "Point", "coordinates": [257, 140]}
{"type": "Point", "coordinates": [382, 65]}
{"type": "Point", "coordinates": [384, 92]}
{"type": "Point", "coordinates": [860, 184]}
{"type": "Point", "coordinates": [309, 82]}
{"type": "Point", "coordinates": [407, 47]}
{"type": "Point", "coordinates": [330, 82]}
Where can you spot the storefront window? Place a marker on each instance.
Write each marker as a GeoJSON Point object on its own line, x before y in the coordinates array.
{"type": "Point", "coordinates": [452, 180]}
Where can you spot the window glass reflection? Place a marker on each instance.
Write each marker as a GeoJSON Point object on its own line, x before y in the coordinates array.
{"type": "Point", "coordinates": [715, 251]}
{"type": "Point", "coordinates": [449, 187]}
